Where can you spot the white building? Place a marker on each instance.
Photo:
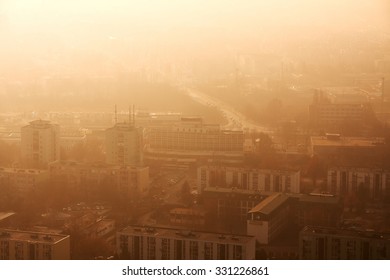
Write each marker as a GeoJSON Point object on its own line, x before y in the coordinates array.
{"type": "Point", "coordinates": [249, 179]}
{"type": "Point", "coordinates": [139, 243]}
{"type": "Point", "coordinates": [28, 245]}
{"type": "Point", "coordinates": [40, 144]}
{"type": "Point", "coordinates": [124, 145]}
{"type": "Point", "coordinates": [350, 180]}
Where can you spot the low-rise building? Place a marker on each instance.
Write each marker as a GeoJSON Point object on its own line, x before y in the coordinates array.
{"type": "Point", "coordinates": [126, 180]}
{"type": "Point", "coordinates": [189, 217]}
{"type": "Point", "coordinates": [20, 181]}
{"type": "Point", "coordinates": [191, 140]}
{"type": "Point", "coordinates": [338, 105]}
{"type": "Point", "coordinates": [139, 243]}
{"type": "Point", "coordinates": [269, 218]}
{"type": "Point", "coordinates": [267, 180]}
{"type": "Point", "coordinates": [323, 243]}
{"type": "Point", "coordinates": [28, 245]}
{"type": "Point", "coordinates": [334, 148]}
{"type": "Point", "coordinates": [374, 182]}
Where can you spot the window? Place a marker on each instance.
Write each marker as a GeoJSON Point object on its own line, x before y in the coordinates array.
{"type": "Point", "coordinates": [222, 251]}
{"type": "Point", "coordinates": [267, 182]}
{"type": "Point", "coordinates": [208, 251]}
{"type": "Point", "coordinates": [237, 252]}
{"type": "Point", "coordinates": [19, 251]}
{"type": "Point", "coordinates": [151, 248]}
{"type": "Point", "coordinates": [194, 250]}
{"type": "Point", "coordinates": [179, 249]}
{"type": "Point", "coordinates": [46, 252]}
{"type": "Point", "coordinates": [4, 250]}
{"type": "Point", "coordinates": [165, 249]}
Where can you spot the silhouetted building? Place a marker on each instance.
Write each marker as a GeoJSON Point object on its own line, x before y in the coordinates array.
{"type": "Point", "coordinates": [28, 245]}
{"type": "Point", "coordinates": [154, 243]}
{"type": "Point", "coordinates": [321, 243]}
{"type": "Point", "coordinates": [40, 144]}
{"type": "Point", "coordinates": [124, 145]}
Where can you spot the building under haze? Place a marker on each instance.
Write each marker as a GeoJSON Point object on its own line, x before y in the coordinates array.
{"type": "Point", "coordinates": [191, 140]}
{"type": "Point", "coordinates": [154, 243]}
{"type": "Point", "coordinates": [90, 178]}
{"type": "Point", "coordinates": [40, 144]}
{"type": "Point", "coordinates": [28, 245]}
{"type": "Point", "coordinates": [373, 182]}
{"type": "Point", "coordinates": [322, 243]}
{"type": "Point", "coordinates": [21, 182]}
{"type": "Point", "coordinates": [124, 145]}
{"type": "Point", "coordinates": [338, 105]}
{"type": "Point", "coordinates": [249, 179]}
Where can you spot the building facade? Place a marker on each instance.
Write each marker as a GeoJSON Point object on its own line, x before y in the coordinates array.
{"type": "Point", "coordinates": [27, 245]}
{"type": "Point", "coordinates": [124, 145]}
{"type": "Point", "coordinates": [191, 140]}
{"type": "Point", "coordinates": [125, 180]}
{"type": "Point", "coordinates": [338, 105]}
{"type": "Point", "coordinates": [249, 179]}
{"type": "Point", "coordinates": [21, 181]}
{"type": "Point", "coordinates": [154, 243]}
{"type": "Point", "coordinates": [40, 144]}
{"type": "Point", "coordinates": [322, 243]}
{"type": "Point", "coordinates": [375, 182]}
{"type": "Point", "coordinates": [268, 219]}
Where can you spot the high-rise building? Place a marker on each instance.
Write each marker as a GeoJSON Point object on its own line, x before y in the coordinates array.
{"type": "Point", "coordinates": [124, 144]}
{"type": "Point", "coordinates": [40, 144]}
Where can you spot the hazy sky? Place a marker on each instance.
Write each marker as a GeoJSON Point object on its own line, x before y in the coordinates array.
{"type": "Point", "coordinates": [167, 13]}
{"type": "Point", "coordinates": [177, 27]}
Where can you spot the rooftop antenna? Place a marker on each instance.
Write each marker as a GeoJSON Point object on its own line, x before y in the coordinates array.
{"type": "Point", "coordinates": [116, 115]}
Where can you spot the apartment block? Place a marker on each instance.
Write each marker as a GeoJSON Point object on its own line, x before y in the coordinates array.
{"type": "Point", "coordinates": [323, 243]}
{"type": "Point", "coordinates": [267, 180]}
{"type": "Point", "coordinates": [124, 145]}
{"type": "Point", "coordinates": [40, 144]}
{"type": "Point", "coordinates": [140, 243]}
{"type": "Point", "coordinates": [375, 182]}
{"type": "Point", "coordinates": [28, 245]}
{"type": "Point", "coordinates": [20, 181]}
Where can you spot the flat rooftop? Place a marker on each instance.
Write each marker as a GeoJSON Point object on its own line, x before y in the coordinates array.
{"type": "Point", "coordinates": [21, 170]}
{"type": "Point", "coordinates": [270, 204]}
{"type": "Point", "coordinates": [185, 234]}
{"type": "Point", "coordinates": [346, 232]}
{"type": "Point", "coordinates": [5, 215]}
{"type": "Point", "coordinates": [346, 141]}
{"type": "Point", "coordinates": [31, 236]}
